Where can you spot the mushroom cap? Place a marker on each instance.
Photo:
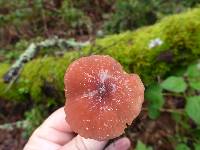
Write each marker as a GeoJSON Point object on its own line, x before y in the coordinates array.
{"type": "Point", "coordinates": [101, 98]}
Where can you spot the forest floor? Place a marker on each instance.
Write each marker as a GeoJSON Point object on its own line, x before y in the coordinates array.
{"type": "Point", "coordinates": [152, 132]}
{"type": "Point", "coordinates": [10, 112]}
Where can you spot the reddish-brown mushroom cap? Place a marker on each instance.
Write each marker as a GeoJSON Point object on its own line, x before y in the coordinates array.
{"type": "Point", "coordinates": [101, 97]}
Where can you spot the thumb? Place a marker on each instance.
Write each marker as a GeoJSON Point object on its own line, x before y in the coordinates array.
{"type": "Point", "coordinates": [80, 143]}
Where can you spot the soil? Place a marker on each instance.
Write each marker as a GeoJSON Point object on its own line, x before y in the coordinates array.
{"type": "Point", "coordinates": [11, 112]}
{"type": "Point", "coordinates": [152, 132]}
{"type": "Point", "coordinates": [11, 140]}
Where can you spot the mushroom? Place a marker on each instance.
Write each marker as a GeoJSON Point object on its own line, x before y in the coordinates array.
{"type": "Point", "coordinates": [101, 98]}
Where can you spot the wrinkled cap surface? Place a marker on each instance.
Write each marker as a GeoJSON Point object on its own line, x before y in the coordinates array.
{"type": "Point", "coordinates": [101, 97]}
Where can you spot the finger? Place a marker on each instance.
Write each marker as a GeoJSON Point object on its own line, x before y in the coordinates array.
{"type": "Point", "coordinates": [54, 131]}
{"type": "Point", "coordinates": [57, 121]}
{"type": "Point", "coordinates": [121, 144]}
{"type": "Point", "coordinates": [80, 143]}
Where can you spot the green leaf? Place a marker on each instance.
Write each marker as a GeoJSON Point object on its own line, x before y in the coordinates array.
{"type": "Point", "coordinates": [141, 146]}
{"type": "Point", "coordinates": [193, 108]}
{"type": "Point", "coordinates": [197, 146]}
{"type": "Point", "coordinates": [182, 147]}
{"type": "Point", "coordinates": [174, 84]}
{"type": "Point", "coordinates": [179, 72]}
{"type": "Point", "coordinates": [193, 71]}
{"type": "Point", "coordinates": [154, 96]}
{"type": "Point", "coordinates": [195, 83]}
{"type": "Point", "coordinates": [153, 112]}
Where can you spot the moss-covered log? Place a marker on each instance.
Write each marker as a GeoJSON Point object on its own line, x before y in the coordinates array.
{"type": "Point", "coordinates": [150, 51]}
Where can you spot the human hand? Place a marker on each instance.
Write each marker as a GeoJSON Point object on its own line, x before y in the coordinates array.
{"type": "Point", "coordinates": [55, 134]}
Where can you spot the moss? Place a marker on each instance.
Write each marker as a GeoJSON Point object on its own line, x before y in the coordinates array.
{"type": "Point", "coordinates": [6, 92]}
{"type": "Point", "coordinates": [46, 70]}
{"type": "Point", "coordinates": [180, 35]}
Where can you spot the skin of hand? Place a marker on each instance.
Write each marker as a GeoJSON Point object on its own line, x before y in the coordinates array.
{"type": "Point", "coordinates": [55, 134]}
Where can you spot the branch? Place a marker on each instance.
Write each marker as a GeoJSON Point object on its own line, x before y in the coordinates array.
{"type": "Point", "coordinates": [32, 51]}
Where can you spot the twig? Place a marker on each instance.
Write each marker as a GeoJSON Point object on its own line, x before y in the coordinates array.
{"type": "Point", "coordinates": [168, 110]}
{"type": "Point", "coordinates": [44, 22]}
{"type": "Point", "coordinates": [174, 94]}
{"type": "Point", "coordinates": [13, 80]}
{"type": "Point", "coordinates": [11, 126]}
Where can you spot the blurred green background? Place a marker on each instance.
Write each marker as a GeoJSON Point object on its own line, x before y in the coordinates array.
{"type": "Point", "coordinates": [157, 39]}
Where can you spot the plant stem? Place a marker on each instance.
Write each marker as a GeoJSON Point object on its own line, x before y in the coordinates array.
{"type": "Point", "coordinates": [175, 94]}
